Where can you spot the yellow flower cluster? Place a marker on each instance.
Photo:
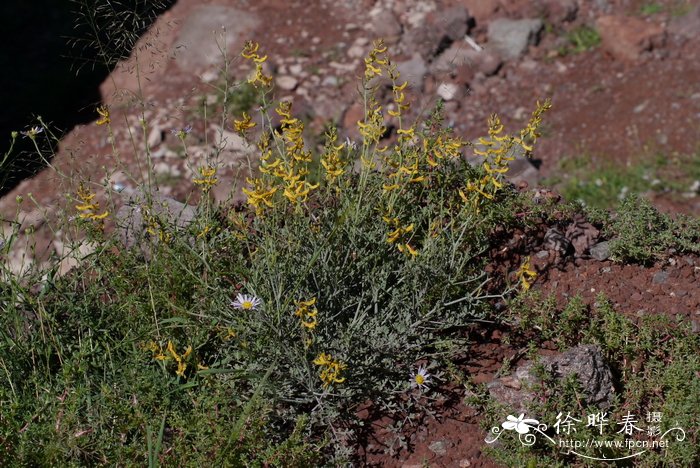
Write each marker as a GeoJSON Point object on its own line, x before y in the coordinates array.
{"type": "Point", "coordinates": [103, 111]}
{"type": "Point", "coordinates": [440, 149]}
{"type": "Point", "coordinates": [331, 161]}
{"type": "Point", "coordinates": [330, 369]}
{"type": "Point", "coordinates": [373, 127]}
{"type": "Point", "coordinates": [307, 313]}
{"type": "Point", "coordinates": [290, 166]}
{"type": "Point", "coordinates": [400, 236]}
{"type": "Point", "coordinates": [375, 60]}
{"type": "Point", "coordinates": [260, 197]}
{"type": "Point", "coordinates": [250, 51]}
{"type": "Point", "coordinates": [207, 179]}
{"type": "Point", "coordinates": [526, 274]}
{"type": "Point", "coordinates": [154, 228]}
{"type": "Point", "coordinates": [88, 207]}
{"type": "Point", "coordinates": [529, 134]}
{"type": "Point", "coordinates": [160, 355]}
{"type": "Point", "coordinates": [243, 125]}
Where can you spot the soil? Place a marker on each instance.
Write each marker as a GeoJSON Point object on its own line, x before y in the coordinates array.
{"type": "Point", "coordinates": [602, 106]}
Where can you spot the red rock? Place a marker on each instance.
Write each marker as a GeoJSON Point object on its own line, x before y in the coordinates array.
{"type": "Point", "coordinates": [625, 38]}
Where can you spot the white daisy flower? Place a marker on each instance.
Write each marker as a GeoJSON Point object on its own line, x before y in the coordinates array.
{"type": "Point", "coordinates": [420, 379]}
{"type": "Point", "coordinates": [246, 302]}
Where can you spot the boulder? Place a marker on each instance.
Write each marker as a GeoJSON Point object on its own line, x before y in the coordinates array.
{"type": "Point", "coordinates": [626, 37]}
{"type": "Point", "coordinates": [585, 361]}
{"type": "Point", "coordinates": [510, 38]}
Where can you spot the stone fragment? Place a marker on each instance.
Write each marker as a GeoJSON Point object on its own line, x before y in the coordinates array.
{"type": "Point", "coordinates": [196, 49]}
{"type": "Point", "coordinates": [387, 27]}
{"type": "Point", "coordinates": [627, 37]}
{"type": "Point", "coordinates": [585, 361]}
{"type": "Point", "coordinates": [600, 251]}
{"type": "Point", "coordinates": [287, 82]}
{"type": "Point", "coordinates": [660, 277]}
{"type": "Point", "coordinates": [464, 61]}
{"type": "Point", "coordinates": [440, 447]}
{"type": "Point", "coordinates": [413, 71]}
{"type": "Point", "coordinates": [482, 10]}
{"type": "Point", "coordinates": [582, 235]}
{"type": "Point", "coordinates": [510, 38]}
{"type": "Point", "coordinates": [556, 241]}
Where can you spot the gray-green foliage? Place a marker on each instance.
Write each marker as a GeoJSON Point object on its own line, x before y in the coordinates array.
{"type": "Point", "coordinates": [642, 234]}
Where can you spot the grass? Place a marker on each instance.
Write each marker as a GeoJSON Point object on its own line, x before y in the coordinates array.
{"type": "Point", "coordinates": [654, 363]}
{"type": "Point", "coordinates": [581, 39]}
{"type": "Point", "coordinates": [600, 183]}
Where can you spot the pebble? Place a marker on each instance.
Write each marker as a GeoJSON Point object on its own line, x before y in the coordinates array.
{"type": "Point", "coordinates": [660, 277]}
{"type": "Point", "coordinates": [287, 83]}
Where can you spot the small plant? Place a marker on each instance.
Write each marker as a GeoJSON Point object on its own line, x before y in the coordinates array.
{"type": "Point", "coordinates": [581, 39]}
{"type": "Point", "coordinates": [649, 9]}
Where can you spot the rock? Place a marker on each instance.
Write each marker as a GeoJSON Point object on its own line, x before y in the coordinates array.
{"type": "Point", "coordinates": [454, 22]}
{"type": "Point", "coordinates": [559, 11]}
{"type": "Point", "coordinates": [510, 38]}
{"type": "Point", "coordinates": [287, 82]}
{"type": "Point", "coordinates": [522, 170]}
{"type": "Point", "coordinates": [581, 234]}
{"type": "Point", "coordinates": [585, 361]}
{"type": "Point", "coordinates": [447, 91]}
{"type": "Point", "coordinates": [167, 169]}
{"type": "Point", "coordinates": [687, 25]}
{"type": "Point", "coordinates": [413, 71]}
{"type": "Point", "coordinates": [481, 10]}
{"type": "Point", "coordinates": [195, 48]}
{"type": "Point", "coordinates": [660, 277]}
{"type": "Point", "coordinates": [168, 213]}
{"type": "Point", "coordinates": [440, 447]}
{"type": "Point", "coordinates": [155, 136]}
{"type": "Point", "coordinates": [387, 27]}
{"type": "Point", "coordinates": [464, 61]}
{"type": "Point", "coordinates": [435, 33]}
{"type": "Point", "coordinates": [556, 241]}
{"type": "Point", "coordinates": [626, 37]}
{"type": "Point", "coordinates": [352, 115]}
{"type": "Point", "coordinates": [600, 251]}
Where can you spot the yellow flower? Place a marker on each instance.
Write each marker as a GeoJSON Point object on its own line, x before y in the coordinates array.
{"type": "Point", "coordinates": [87, 207]}
{"type": "Point", "coordinates": [104, 115]}
{"type": "Point", "coordinates": [244, 124]}
{"type": "Point", "coordinates": [207, 181]}
{"type": "Point", "coordinates": [330, 369]}
{"type": "Point", "coordinates": [181, 364]}
{"type": "Point", "coordinates": [261, 195]}
{"type": "Point", "coordinates": [526, 274]}
{"type": "Point", "coordinates": [306, 314]}
{"type": "Point", "coordinates": [250, 52]}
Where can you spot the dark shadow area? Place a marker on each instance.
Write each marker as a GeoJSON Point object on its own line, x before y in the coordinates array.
{"type": "Point", "coordinates": [54, 55]}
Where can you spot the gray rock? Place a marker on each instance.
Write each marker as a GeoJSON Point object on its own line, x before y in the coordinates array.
{"type": "Point", "coordinates": [462, 59]}
{"type": "Point", "coordinates": [660, 277]}
{"type": "Point", "coordinates": [169, 214]}
{"type": "Point", "coordinates": [453, 22]}
{"type": "Point", "coordinates": [582, 235]}
{"type": "Point", "coordinates": [600, 251]}
{"type": "Point", "coordinates": [287, 82]}
{"type": "Point", "coordinates": [195, 48]}
{"type": "Point", "coordinates": [585, 361]}
{"type": "Point", "coordinates": [510, 38]}
{"type": "Point", "coordinates": [387, 27]}
{"type": "Point", "coordinates": [556, 241]}
{"type": "Point", "coordinates": [413, 71]}
{"type": "Point", "coordinates": [440, 447]}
